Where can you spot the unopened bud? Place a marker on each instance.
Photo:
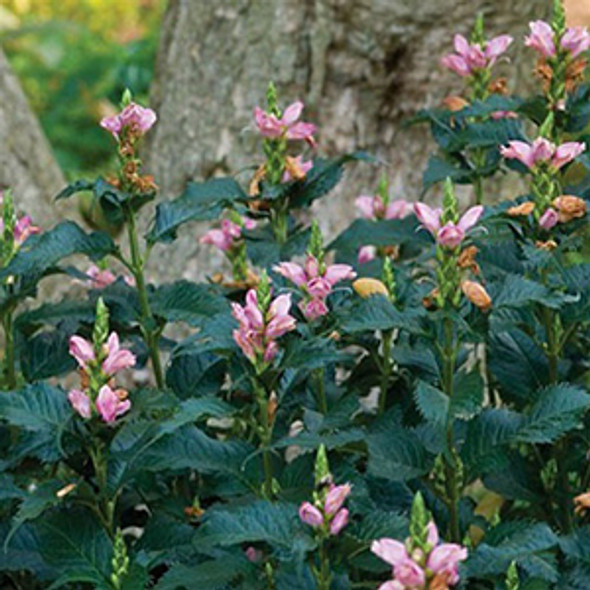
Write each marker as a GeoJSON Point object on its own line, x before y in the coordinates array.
{"type": "Point", "coordinates": [366, 287]}
{"type": "Point", "coordinates": [476, 294]}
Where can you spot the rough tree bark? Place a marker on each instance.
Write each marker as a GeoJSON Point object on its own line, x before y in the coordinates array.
{"type": "Point", "coordinates": [361, 66]}
{"type": "Point", "coordinates": [27, 165]}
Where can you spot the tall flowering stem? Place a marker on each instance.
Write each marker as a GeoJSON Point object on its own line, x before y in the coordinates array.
{"type": "Point", "coordinates": [326, 515]}
{"type": "Point", "coordinates": [128, 127]}
{"type": "Point", "coordinates": [14, 231]}
{"type": "Point", "coordinates": [453, 260]}
{"type": "Point", "coordinates": [261, 321]}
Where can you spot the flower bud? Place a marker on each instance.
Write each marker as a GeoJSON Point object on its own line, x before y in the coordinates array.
{"type": "Point", "coordinates": [523, 209]}
{"type": "Point", "coordinates": [366, 287]}
{"type": "Point", "coordinates": [476, 294]}
{"type": "Point", "coordinates": [455, 103]}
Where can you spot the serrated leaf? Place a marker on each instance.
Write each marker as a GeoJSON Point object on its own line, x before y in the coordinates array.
{"type": "Point", "coordinates": [468, 395]}
{"type": "Point", "coordinates": [199, 201]}
{"type": "Point", "coordinates": [44, 251]}
{"type": "Point", "coordinates": [46, 355]}
{"type": "Point", "coordinates": [559, 409]}
{"type": "Point", "coordinates": [432, 403]}
{"type": "Point", "coordinates": [196, 374]}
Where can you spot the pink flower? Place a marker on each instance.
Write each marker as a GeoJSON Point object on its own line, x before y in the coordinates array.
{"type": "Point", "coordinates": [366, 254]}
{"type": "Point", "coordinates": [373, 207]}
{"type": "Point", "coordinates": [541, 38]}
{"type": "Point", "coordinates": [81, 350]}
{"type": "Point", "coordinates": [405, 570]}
{"type": "Point", "coordinates": [450, 235]}
{"type": "Point", "coordinates": [287, 126]}
{"type": "Point", "coordinates": [292, 271]}
{"type": "Point", "coordinates": [336, 497]}
{"type": "Point", "coordinates": [257, 333]}
{"type": "Point", "coordinates": [504, 115]}
{"type": "Point", "coordinates": [99, 278]}
{"type": "Point", "coordinates": [23, 229]}
{"type": "Point", "coordinates": [310, 515]}
{"type": "Point", "coordinates": [576, 40]}
{"type": "Point", "coordinates": [392, 585]}
{"type": "Point", "coordinates": [445, 559]}
{"type": "Point", "coordinates": [470, 57]}
{"type": "Point", "coordinates": [314, 308]}
{"type": "Point", "coordinates": [456, 64]}
{"type": "Point", "coordinates": [542, 150]}
{"type": "Point", "coordinates": [117, 358]}
{"type": "Point", "coordinates": [80, 402]}
{"type": "Point", "coordinates": [497, 46]}
{"type": "Point", "coordinates": [549, 219]}
{"type": "Point", "coordinates": [335, 273]}
{"type": "Point", "coordinates": [339, 521]}
{"type": "Point", "coordinates": [133, 117]}
{"type": "Point", "coordinates": [254, 555]}
{"type": "Point", "coordinates": [109, 405]}
{"type": "Point", "coordinates": [432, 537]}
{"type": "Point", "coordinates": [567, 152]}
{"type": "Point", "coordinates": [228, 235]}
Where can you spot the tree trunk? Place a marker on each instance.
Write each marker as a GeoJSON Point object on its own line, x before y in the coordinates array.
{"type": "Point", "coordinates": [27, 165]}
{"type": "Point", "coordinates": [362, 67]}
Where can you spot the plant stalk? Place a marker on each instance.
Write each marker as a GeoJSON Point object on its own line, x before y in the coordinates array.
{"type": "Point", "coordinates": [9, 356]}
{"type": "Point", "coordinates": [387, 336]}
{"type": "Point", "coordinates": [321, 391]}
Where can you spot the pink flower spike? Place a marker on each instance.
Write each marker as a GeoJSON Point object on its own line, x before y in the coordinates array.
{"type": "Point", "coordinates": [366, 254]}
{"type": "Point", "coordinates": [138, 118]}
{"type": "Point", "coordinates": [291, 271]}
{"type": "Point", "coordinates": [336, 497]}
{"type": "Point", "coordinates": [81, 350]}
{"type": "Point", "coordinates": [268, 125]}
{"type": "Point", "coordinates": [109, 406]}
{"type": "Point", "coordinates": [541, 38]}
{"type": "Point", "coordinates": [339, 272]}
{"type": "Point", "coordinates": [576, 40]}
{"type": "Point", "coordinates": [470, 218]}
{"type": "Point", "coordinates": [339, 521]}
{"type": "Point", "coordinates": [80, 402]}
{"type": "Point", "coordinates": [117, 358]}
{"type": "Point", "coordinates": [428, 217]}
{"type": "Point", "coordinates": [567, 152]}
{"type": "Point", "coordinates": [310, 515]}
{"type": "Point", "coordinates": [445, 558]}
{"type": "Point", "coordinates": [549, 219]}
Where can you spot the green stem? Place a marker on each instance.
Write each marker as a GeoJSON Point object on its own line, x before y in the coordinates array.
{"type": "Point", "coordinates": [150, 332]}
{"type": "Point", "coordinates": [324, 577]}
{"type": "Point", "coordinates": [280, 223]}
{"type": "Point", "coordinates": [478, 187]}
{"type": "Point", "coordinates": [105, 508]}
{"type": "Point", "coordinates": [9, 357]}
{"type": "Point", "coordinates": [321, 391]}
{"type": "Point", "coordinates": [265, 428]}
{"type": "Point", "coordinates": [450, 466]}
{"type": "Point", "coordinates": [386, 337]}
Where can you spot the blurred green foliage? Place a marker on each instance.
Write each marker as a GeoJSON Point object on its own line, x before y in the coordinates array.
{"type": "Point", "coordinates": [74, 58]}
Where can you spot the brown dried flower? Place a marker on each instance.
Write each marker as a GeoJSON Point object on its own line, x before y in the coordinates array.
{"type": "Point", "coordinates": [476, 294]}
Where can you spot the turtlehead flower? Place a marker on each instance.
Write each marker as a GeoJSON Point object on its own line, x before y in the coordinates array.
{"type": "Point", "coordinates": [542, 39]}
{"type": "Point", "coordinates": [449, 235]}
{"type": "Point", "coordinates": [329, 514]}
{"type": "Point", "coordinates": [226, 237]}
{"type": "Point", "coordinates": [117, 358]}
{"type": "Point", "coordinates": [316, 281]}
{"type": "Point", "coordinates": [109, 405]}
{"type": "Point", "coordinates": [366, 254]}
{"type": "Point", "coordinates": [135, 118]}
{"type": "Point", "coordinates": [549, 219]}
{"type": "Point", "coordinates": [81, 350]}
{"type": "Point", "coordinates": [542, 151]}
{"type": "Point", "coordinates": [409, 571]}
{"type": "Point", "coordinates": [80, 402]}
{"type": "Point", "coordinates": [373, 207]}
{"type": "Point", "coordinates": [257, 333]}
{"type": "Point", "coordinates": [23, 229]}
{"type": "Point", "coordinates": [287, 126]}
{"type": "Point", "coordinates": [471, 57]}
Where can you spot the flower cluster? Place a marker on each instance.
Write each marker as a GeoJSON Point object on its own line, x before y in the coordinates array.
{"type": "Point", "coordinates": [287, 126]}
{"type": "Point", "coordinates": [99, 278]}
{"type": "Point", "coordinates": [262, 320]}
{"type": "Point", "coordinates": [99, 361]}
{"type": "Point", "coordinates": [18, 228]}
{"type": "Point", "coordinates": [543, 39]}
{"type": "Point", "coordinates": [327, 512]}
{"type": "Point", "coordinates": [133, 119]}
{"type": "Point", "coordinates": [315, 278]}
{"type": "Point", "coordinates": [543, 152]}
{"type": "Point", "coordinates": [422, 561]}
{"type": "Point", "coordinates": [227, 237]}
{"type": "Point", "coordinates": [449, 234]}
{"type": "Point", "coordinates": [376, 207]}
{"type": "Point", "coordinates": [470, 57]}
